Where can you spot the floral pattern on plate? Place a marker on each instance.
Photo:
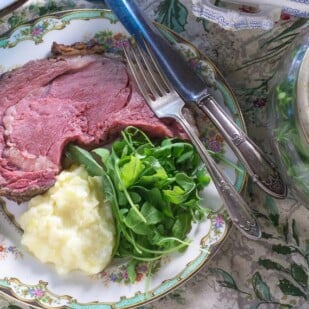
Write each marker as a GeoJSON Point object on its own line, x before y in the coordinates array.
{"type": "Point", "coordinates": [35, 293]}
{"type": "Point", "coordinates": [5, 251]}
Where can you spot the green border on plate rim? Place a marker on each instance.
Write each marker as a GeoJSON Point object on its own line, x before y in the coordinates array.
{"type": "Point", "coordinates": [93, 14]}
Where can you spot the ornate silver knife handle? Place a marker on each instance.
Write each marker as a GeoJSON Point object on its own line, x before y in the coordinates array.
{"type": "Point", "coordinates": [236, 206]}
{"type": "Point", "coordinates": [262, 170]}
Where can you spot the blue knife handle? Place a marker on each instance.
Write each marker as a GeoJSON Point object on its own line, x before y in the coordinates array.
{"type": "Point", "coordinates": [131, 17]}
{"type": "Point", "coordinates": [193, 90]}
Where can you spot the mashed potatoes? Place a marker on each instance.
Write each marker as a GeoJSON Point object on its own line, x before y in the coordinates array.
{"type": "Point", "coordinates": [70, 225]}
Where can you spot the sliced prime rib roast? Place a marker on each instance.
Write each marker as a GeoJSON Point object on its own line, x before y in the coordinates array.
{"type": "Point", "coordinates": [49, 103]}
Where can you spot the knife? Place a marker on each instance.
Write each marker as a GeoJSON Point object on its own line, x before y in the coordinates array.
{"type": "Point", "coordinates": [194, 90]}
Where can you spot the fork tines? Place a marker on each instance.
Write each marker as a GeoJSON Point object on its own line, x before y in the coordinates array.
{"type": "Point", "coordinates": [145, 69]}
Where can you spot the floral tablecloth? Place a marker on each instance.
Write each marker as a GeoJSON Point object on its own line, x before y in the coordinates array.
{"type": "Point", "coordinates": [273, 272]}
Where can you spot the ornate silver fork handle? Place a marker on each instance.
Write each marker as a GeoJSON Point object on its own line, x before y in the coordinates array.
{"type": "Point", "coordinates": [238, 210]}
{"type": "Point", "coordinates": [257, 164]}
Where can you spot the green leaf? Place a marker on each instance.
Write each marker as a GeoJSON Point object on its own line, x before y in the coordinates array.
{"type": "Point", "coordinates": [286, 231]}
{"type": "Point", "coordinates": [307, 251]}
{"type": "Point", "coordinates": [16, 20]}
{"type": "Point", "coordinates": [185, 156]}
{"type": "Point", "coordinates": [260, 215]}
{"type": "Point", "coordinates": [228, 281]}
{"type": "Point", "coordinates": [180, 192]}
{"type": "Point", "coordinates": [261, 289]}
{"type": "Point", "coordinates": [186, 182]}
{"type": "Point", "coordinates": [280, 249]}
{"type": "Point", "coordinates": [173, 14]}
{"type": "Point", "coordinates": [131, 170]}
{"type": "Point", "coordinates": [135, 223]}
{"type": "Point", "coordinates": [155, 172]}
{"type": "Point", "coordinates": [81, 156]}
{"type": "Point", "coordinates": [296, 25]}
{"type": "Point", "coordinates": [285, 306]}
{"type": "Point", "coordinates": [272, 210]}
{"type": "Point", "coordinates": [275, 51]}
{"type": "Point", "coordinates": [152, 215]}
{"type": "Point", "coordinates": [182, 226]}
{"type": "Point", "coordinates": [266, 235]}
{"type": "Point", "coordinates": [203, 178]}
{"type": "Point", "coordinates": [152, 196]}
{"type": "Point", "coordinates": [168, 210]}
{"type": "Point", "coordinates": [131, 270]}
{"type": "Point", "coordinates": [295, 232]}
{"type": "Point", "coordinates": [13, 307]}
{"type": "Point", "coordinates": [280, 306]}
{"type": "Point", "coordinates": [103, 153]}
{"type": "Point", "coordinates": [176, 195]}
{"type": "Point", "coordinates": [269, 264]}
{"type": "Point", "coordinates": [288, 288]}
{"type": "Point", "coordinates": [299, 274]}
{"type": "Point", "coordinates": [50, 6]}
{"type": "Point", "coordinates": [204, 22]}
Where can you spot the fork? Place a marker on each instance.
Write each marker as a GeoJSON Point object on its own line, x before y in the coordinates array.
{"type": "Point", "coordinates": [165, 102]}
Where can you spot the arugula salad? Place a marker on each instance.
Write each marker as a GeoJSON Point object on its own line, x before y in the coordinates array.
{"type": "Point", "coordinates": [153, 188]}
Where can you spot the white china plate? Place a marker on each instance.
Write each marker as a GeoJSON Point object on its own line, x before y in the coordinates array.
{"type": "Point", "coordinates": [34, 284]}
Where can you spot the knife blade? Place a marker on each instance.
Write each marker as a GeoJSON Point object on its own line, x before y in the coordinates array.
{"type": "Point", "coordinates": [194, 90]}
